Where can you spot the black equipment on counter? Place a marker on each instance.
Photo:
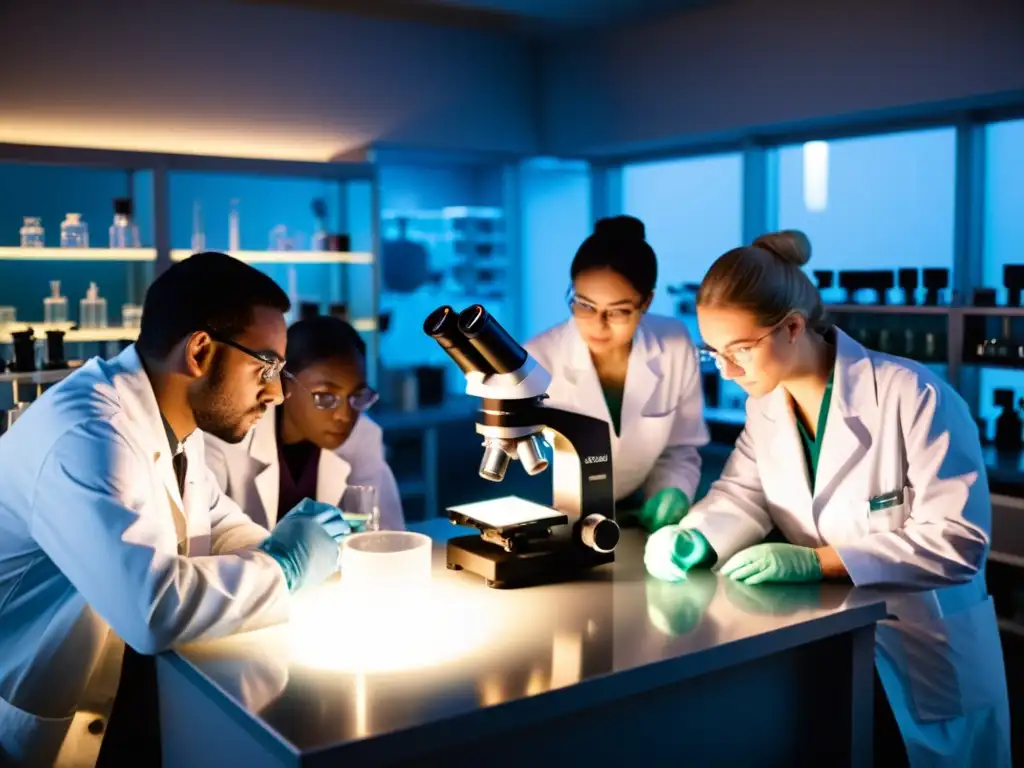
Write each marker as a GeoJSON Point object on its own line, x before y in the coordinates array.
{"type": "Point", "coordinates": [825, 278]}
{"type": "Point", "coordinates": [878, 280]}
{"type": "Point", "coordinates": [907, 280]}
{"type": "Point", "coordinates": [339, 311]}
{"type": "Point", "coordinates": [308, 310]}
{"type": "Point", "coordinates": [711, 382]}
{"type": "Point", "coordinates": [983, 297]}
{"type": "Point", "coordinates": [339, 243]}
{"type": "Point", "coordinates": [55, 351]}
{"type": "Point", "coordinates": [1009, 438]}
{"type": "Point", "coordinates": [1013, 279]}
{"type": "Point", "coordinates": [24, 352]}
{"type": "Point", "coordinates": [934, 280]}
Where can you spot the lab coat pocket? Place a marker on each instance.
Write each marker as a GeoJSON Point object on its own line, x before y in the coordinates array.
{"type": "Point", "coordinates": [889, 516]}
{"type": "Point", "coordinates": [954, 663]}
{"type": "Point", "coordinates": [27, 739]}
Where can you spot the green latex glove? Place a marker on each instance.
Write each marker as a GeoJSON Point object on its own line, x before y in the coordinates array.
{"type": "Point", "coordinates": [666, 507]}
{"type": "Point", "coordinates": [672, 551]}
{"type": "Point", "coordinates": [773, 562]}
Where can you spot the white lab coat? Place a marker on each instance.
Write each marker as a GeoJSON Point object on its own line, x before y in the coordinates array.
{"type": "Point", "coordinates": [892, 426]}
{"type": "Point", "coordinates": [662, 420]}
{"type": "Point", "coordinates": [250, 473]}
{"type": "Point", "coordinates": [97, 544]}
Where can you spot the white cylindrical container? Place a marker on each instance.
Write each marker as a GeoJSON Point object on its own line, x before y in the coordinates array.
{"type": "Point", "coordinates": [385, 559]}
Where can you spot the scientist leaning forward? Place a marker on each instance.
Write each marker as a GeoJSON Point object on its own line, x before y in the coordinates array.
{"type": "Point", "coordinates": [112, 527]}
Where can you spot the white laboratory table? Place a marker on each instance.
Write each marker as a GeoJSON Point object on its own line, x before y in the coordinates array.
{"type": "Point", "coordinates": [610, 669]}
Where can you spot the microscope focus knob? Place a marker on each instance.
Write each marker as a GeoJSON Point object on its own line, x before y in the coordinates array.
{"type": "Point", "coordinates": [599, 533]}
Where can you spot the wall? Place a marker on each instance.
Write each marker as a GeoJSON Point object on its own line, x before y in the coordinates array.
{"type": "Point", "coordinates": [746, 64]}
{"type": "Point", "coordinates": [216, 77]}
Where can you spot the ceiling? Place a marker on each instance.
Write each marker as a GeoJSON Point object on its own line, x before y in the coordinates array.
{"type": "Point", "coordinates": [542, 17]}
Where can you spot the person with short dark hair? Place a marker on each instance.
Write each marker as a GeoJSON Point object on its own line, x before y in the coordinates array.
{"type": "Point", "coordinates": [615, 361]}
{"type": "Point", "coordinates": [320, 441]}
{"type": "Point", "coordinates": [114, 537]}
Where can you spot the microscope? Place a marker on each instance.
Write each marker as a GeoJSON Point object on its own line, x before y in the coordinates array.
{"type": "Point", "coordinates": [522, 543]}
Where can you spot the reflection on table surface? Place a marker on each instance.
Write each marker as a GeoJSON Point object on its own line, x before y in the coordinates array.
{"type": "Point", "coordinates": [351, 666]}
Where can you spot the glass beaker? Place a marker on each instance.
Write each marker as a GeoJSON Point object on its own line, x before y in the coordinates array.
{"type": "Point", "coordinates": [32, 234]}
{"type": "Point", "coordinates": [359, 508]}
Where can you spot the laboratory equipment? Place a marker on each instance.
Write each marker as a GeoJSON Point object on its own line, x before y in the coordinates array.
{"type": "Point", "coordinates": [124, 233]}
{"type": "Point", "coordinates": [686, 297]}
{"type": "Point", "coordinates": [934, 280]}
{"type": "Point", "coordinates": [8, 315]}
{"type": "Point", "coordinates": [74, 233]}
{"type": "Point", "coordinates": [385, 558]}
{"type": "Point", "coordinates": [198, 233]}
{"type": "Point", "coordinates": [32, 233]}
{"type": "Point", "coordinates": [92, 310]}
{"type": "Point", "coordinates": [318, 242]}
{"type": "Point", "coordinates": [983, 297]}
{"type": "Point", "coordinates": [1009, 437]}
{"type": "Point", "coordinates": [55, 306]}
{"type": "Point", "coordinates": [1013, 279]}
{"type": "Point", "coordinates": [360, 509]}
{"type": "Point", "coordinates": [339, 243]}
{"type": "Point", "coordinates": [55, 351]}
{"type": "Point", "coordinates": [825, 278]}
{"type": "Point", "coordinates": [131, 316]}
{"type": "Point", "coordinates": [24, 351]}
{"type": "Point", "coordinates": [907, 279]}
{"type": "Point", "coordinates": [279, 239]}
{"type": "Point", "coordinates": [234, 236]}
{"type": "Point", "coordinates": [523, 543]}
{"type": "Point", "coordinates": [339, 311]}
{"type": "Point", "coordinates": [878, 280]}
{"type": "Point", "coordinates": [308, 310]}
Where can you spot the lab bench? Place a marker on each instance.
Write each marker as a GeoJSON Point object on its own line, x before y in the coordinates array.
{"type": "Point", "coordinates": [611, 668]}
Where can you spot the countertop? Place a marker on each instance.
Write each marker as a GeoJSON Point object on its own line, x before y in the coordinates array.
{"type": "Point", "coordinates": [342, 676]}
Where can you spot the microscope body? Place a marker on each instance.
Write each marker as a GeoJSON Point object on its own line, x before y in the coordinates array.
{"type": "Point", "coordinates": [579, 530]}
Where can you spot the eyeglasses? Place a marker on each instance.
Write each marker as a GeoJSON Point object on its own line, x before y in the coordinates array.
{"type": "Point", "coordinates": [613, 315]}
{"type": "Point", "coordinates": [272, 366]}
{"type": "Point", "coordinates": [360, 400]}
{"type": "Point", "coordinates": [740, 356]}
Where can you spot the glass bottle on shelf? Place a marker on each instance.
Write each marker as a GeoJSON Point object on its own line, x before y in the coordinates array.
{"type": "Point", "coordinates": [234, 236]}
{"type": "Point", "coordinates": [124, 233]}
{"type": "Point", "coordinates": [92, 310]}
{"type": "Point", "coordinates": [55, 306]}
{"type": "Point", "coordinates": [198, 234]}
{"type": "Point", "coordinates": [32, 233]}
{"type": "Point", "coordinates": [74, 233]}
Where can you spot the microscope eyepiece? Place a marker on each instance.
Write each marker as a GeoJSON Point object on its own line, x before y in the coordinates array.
{"type": "Point", "coordinates": [493, 342]}
{"type": "Point", "coordinates": [442, 326]}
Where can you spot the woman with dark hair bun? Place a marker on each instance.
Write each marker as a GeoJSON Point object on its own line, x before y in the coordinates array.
{"type": "Point", "coordinates": [613, 360]}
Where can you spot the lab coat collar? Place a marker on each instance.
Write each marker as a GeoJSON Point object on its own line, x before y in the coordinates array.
{"type": "Point", "coordinates": [136, 393]}
{"type": "Point", "coordinates": [644, 371]}
{"type": "Point", "coordinates": [847, 438]}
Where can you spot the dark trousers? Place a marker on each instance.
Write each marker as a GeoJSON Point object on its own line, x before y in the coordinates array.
{"type": "Point", "coordinates": [132, 734]}
{"type": "Point", "coordinates": [889, 748]}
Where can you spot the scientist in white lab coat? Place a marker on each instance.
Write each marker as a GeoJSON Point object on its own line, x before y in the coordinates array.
{"type": "Point", "coordinates": [320, 441]}
{"type": "Point", "coordinates": [639, 372]}
{"type": "Point", "coordinates": [112, 527]}
{"type": "Point", "coordinates": [870, 467]}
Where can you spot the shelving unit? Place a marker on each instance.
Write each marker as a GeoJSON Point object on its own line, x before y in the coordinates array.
{"type": "Point", "coordinates": [72, 334]}
{"type": "Point", "coordinates": [290, 257]}
{"type": "Point", "coordinates": [78, 254]}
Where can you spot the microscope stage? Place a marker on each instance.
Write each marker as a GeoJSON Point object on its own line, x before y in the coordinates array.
{"type": "Point", "coordinates": [506, 515]}
{"type": "Point", "coordinates": [552, 561]}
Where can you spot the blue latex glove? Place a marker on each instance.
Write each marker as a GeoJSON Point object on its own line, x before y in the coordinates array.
{"type": "Point", "coordinates": [773, 562]}
{"type": "Point", "coordinates": [666, 507]}
{"type": "Point", "coordinates": [306, 552]}
{"type": "Point", "coordinates": [327, 515]}
{"type": "Point", "coordinates": [672, 551]}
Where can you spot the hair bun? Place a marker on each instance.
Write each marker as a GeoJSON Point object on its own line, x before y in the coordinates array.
{"type": "Point", "coordinates": [628, 228]}
{"type": "Point", "coordinates": [790, 245]}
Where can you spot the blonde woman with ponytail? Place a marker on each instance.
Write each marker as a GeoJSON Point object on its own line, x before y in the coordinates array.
{"type": "Point", "coordinates": [870, 468]}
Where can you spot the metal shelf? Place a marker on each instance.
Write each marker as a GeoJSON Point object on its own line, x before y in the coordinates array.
{"type": "Point", "coordinates": [290, 257]}
{"type": "Point", "coordinates": [37, 377]}
{"type": "Point", "coordinates": [78, 254]}
{"type": "Point", "coordinates": [72, 335]}
{"type": "Point", "coordinates": [890, 309]}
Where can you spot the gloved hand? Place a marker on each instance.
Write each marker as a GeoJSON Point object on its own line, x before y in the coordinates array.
{"type": "Point", "coordinates": [773, 562]}
{"type": "Point", "coordinates": [306, 552]}
{"type": "Point", "coordinates": [329, 516]}
{"type": "Point", "coordinates": [672, 551]}
{"type": "Point", "coordinates": [666, 507]}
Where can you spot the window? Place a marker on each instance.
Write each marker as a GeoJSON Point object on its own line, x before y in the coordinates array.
{"type": "Point", "coordinates": [1003, 237]}
{"type": "Point", "coordinates": [877, 202]}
